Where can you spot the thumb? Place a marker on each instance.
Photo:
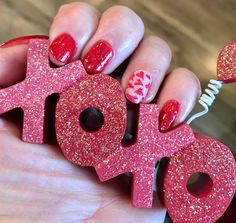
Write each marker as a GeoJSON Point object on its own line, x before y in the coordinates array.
{"type": "Point", "coordinates": [13, 60]}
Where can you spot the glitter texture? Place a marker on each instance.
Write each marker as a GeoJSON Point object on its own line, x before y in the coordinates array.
{"type": "Point", "coordinates": [40, 82]}
{"type": "Point", "coordinates": [98, 57]}
{"type": "Point", "coordinates": [140, 158]}
{"type": "Point", "coordinates": [102, 149]}
{"type": "Point", "coordinates": [208, 156]}
{"type": "Point", "coordinates": [90, 148]}
{"type": "Point", "coordinates": [226, 63]}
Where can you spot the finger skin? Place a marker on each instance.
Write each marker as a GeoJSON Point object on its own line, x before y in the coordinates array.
{"type": "Point", "coordinates": [153, 56]}
{"type": "Point", "coordinates": [36, 177]}
{"type": "Point", "coordinates": [120, 28]}
{"type": "Point", "coordinates": [182, 86]}
{"type": "Point", "coordinates": [13, 55]}
{"type": "Point", "coordinates": [12, 65]}
{"type": "Point", "coordinates": [22, 40]}
{"type": "Point", "coordinates": [78, 21]}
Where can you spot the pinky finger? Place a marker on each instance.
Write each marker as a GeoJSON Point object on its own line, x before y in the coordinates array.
{"type": "Point", "coordinates": [177, 98]}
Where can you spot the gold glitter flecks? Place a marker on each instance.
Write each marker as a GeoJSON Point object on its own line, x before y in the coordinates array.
{"type": "Point", "coordinates": [208, 156]}
{"type": "Point", "coordinates": [87, 148]}
{"type": "Point", "coordinates": [104, 149]}
{"type": "Point", "coordinates": [96, 91]}
{"type": "Point", "coordinates": [226, 63]}
{"type": "Point", "coordinates": [106, 161]}
{"type": "Point", "coordinates": [140, 158]}
{"type": "Point", "coordinates": [40, 82]}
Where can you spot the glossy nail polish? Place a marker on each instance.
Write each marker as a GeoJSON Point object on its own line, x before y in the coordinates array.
{"type": "Point", "coordinates": [21, 40]}
{"type": "Point", "coordinates": [62, 49]}
{"type": "Point", "coordinates": [138, 86]}
{"type": "Point", "coordinates": [97, 58]}
{"type": "Point", "coordinates": [168, 114]}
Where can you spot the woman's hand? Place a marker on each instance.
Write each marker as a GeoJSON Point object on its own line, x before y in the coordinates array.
{"type": "Point", "coordinates": [36, 182]}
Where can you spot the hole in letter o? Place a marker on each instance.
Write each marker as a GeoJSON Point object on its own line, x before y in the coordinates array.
{"type": "Point", "coordinates": [199, 184]}
{"type": "Point", "coordinates": [91, 119]}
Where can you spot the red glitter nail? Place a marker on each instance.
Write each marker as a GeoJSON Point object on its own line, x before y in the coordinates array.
{"type": "Point", "coordinates": [21, 40]}
{"type": "Point", "coordinates": [98, 57]}
{"type": "Point", "coordinates": [63, 48]}
{"type": "Point", "coordinates": [168, 114]}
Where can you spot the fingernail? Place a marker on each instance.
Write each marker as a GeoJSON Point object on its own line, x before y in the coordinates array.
{"type": "Point", "coordinates": [97, 58]}
{"type": "Point", "coordinates": [138, 86]}
{"type": "Point", "coordinates": [168, 114]}
{"type": "Point", "coordinates": [62, 49]}
{"type": "Point", "coordinates": [21, 40]}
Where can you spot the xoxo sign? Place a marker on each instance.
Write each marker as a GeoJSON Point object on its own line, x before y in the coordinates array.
{"type": "Point", "coordinates": [102, 148]}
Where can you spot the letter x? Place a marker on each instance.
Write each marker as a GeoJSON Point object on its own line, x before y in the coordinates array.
{"type": "Point", "coordinates": [40, 82]}
{"type": "Point", "coordinates": [140, 158]}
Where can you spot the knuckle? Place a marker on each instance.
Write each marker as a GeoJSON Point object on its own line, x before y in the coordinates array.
{"type": "Point", "coordinates": [121, 9]}
{"type": "Point", "coordinates": [159, 43]}
{"type": "Point", "coordinates": [63, 7]}
{"type": "Point", "coordinates": [131, 18]}
{"type": "Point", "coordinates": [185, 72]}
{"type": "Point", "coordinates": [75, 6]}
{"type": "Point", "coordinates": [192, 78]}
{"type": "Point", "coordinates": [160, 47]}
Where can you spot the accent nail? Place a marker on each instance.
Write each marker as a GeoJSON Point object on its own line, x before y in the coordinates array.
{"type": "Point", "coordinates": [62, 49]}
{"type": "Point", "coordinates": [98, 57]}
{"type": "Point", "coordinates": [138, 86]}
{"type": "Point", "coordinates": [168, 114]}
{"type": "Point", "coordinates": [21, 40]}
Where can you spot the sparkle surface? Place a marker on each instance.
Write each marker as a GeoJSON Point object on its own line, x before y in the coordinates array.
{"type": "Point", "coordinates": [102, 149]}
{"type": "Point", "coordinates": [40, 82]}
{"type": "Point", "coordinates": [90, 148]}
{"type": "Point", "coordinates": [226, 63]}
{"type": "Point", "coordinates": [208, 156]}
{"type": "Point", "coordinates": [140, 158]}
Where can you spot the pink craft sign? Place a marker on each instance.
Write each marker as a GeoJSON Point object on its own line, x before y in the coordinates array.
{"type": "Point", "coordinates": [102, 148]}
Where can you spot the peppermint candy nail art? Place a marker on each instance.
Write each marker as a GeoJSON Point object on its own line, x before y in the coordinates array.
{"type": "Point", "coordinates": [138, 86]}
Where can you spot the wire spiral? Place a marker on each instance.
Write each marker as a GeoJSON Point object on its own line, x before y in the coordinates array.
{"type": "Point", "coordinates": [207, 98]}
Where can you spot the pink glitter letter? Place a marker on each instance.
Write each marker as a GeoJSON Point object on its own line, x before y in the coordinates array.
{"type": "Point", "coordinates": [40, 82]}
{"type": "Point", "coordinates": [204, 204]}
{"type": "Point", "coordinates": [140, 158]}
{"type": "Point", "coordinates": [102, 149]}
{"type": "Point", "coordinates": [78, 145]}
{"type": "Point", "coordinates": [226, 63]}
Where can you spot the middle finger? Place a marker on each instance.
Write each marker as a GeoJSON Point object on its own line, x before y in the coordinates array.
{"type": "Point", "coordinates": [118, 34]}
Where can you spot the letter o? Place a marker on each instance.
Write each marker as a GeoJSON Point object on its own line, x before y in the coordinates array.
{"type": "Point", "coordinates": [218, 166]}
{"type": "Point", "coordinates": [88, 148]}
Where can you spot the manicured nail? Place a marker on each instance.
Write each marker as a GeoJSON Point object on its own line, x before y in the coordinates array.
{"type": "Point", "coordinates": [62, 49]}
{"type": "Point", "coordinates": [168, 114]}
{"type": "Point", "coordinates": [97, 58]}
{"type": "Point", "coordinates": [21, 40]}
{"type": "Point", "coordinates": [138, 86]}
